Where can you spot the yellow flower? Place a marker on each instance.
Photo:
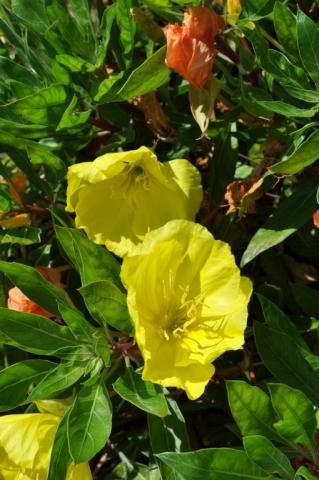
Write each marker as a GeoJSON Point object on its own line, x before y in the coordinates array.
{"type": "Point", "coordinates": [119, 197]}
{"type": "Point", "coordinates": [188, 304]}
{"type": "Point", "coordinates": [233, 11]}
{"type": "Point", "coordinates": [25, 446]}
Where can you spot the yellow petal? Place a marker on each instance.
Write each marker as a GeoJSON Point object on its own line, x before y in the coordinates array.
{"type": "Point", "coordinates": [187, 301]}
{"type": "Point", "coordinates": [234, 9]}
{"type": "Point", "coordinates": [193, 378]}
{"type": "Point", "coordinates": [79, 472]}
{"type": "Point", "coordinates": [25, 447]}
{"type": "Point", "coordinates": [56, 407]}
{"type": "Point", "coordinates": [120, 197]}
{"type": "Point", "coordinates": [26, 441]}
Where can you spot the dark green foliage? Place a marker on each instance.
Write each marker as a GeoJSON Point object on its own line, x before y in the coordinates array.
{"type": "Point", "coordinates": [74, 76]}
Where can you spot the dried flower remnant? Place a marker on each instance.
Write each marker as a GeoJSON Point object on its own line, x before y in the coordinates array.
{"type": "Point", "coordinates": [316, 218]}
{"type": "Point", "coordinates": [243, 194]}
{"type": "Point", "coordinates": [155, 117]}
{"type": "Point", "coordinates": [191, 46]}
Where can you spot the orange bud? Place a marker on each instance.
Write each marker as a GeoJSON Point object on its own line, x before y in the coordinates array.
{"type": "Point", "coordinates": [19, 302]}
{"type": "Point", "coordinates": [190, 46]}
{"type": "Point", "coordinates": [316, 218]}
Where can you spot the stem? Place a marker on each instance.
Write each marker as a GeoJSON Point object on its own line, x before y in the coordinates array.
{"type": "Point", "coordinates": [225, 49]}
{"type": "Point", "coordinates": [270, 38]}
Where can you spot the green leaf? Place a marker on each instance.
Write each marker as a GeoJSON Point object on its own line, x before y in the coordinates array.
{"type": "Point", "coordinates": [213, 464]}
{"type": "Point", "coordinates": [278, 321]}
{"type": "Point", "coordinates": [71, 118]}
{"type": "Point", "coordinates": [251, 409]}
{"type": "Point", "coordinates": [21, 236]}
{"type": "Point", "coordinates": [304, 473]}
{"type": "Point", "coordinates": [286, 28]}
{"type": "Point", "coordinates": [11, 70]}
{"type": "Point", "coordinates": [38, 153]}
{"type": "Point", "coordinates": [92, 261]}
{"type": "Point", "coordinates": [62, 377]}
{"type": "Point", "coordinates": [127, 28]}
{"type": "Point", "coordinates": [82, 16]}
{"type": "Point", "coordinates": [286, 109]}
{"type": "Point", "coordinates": [168, 433]}
{"type": "Point", "coordinates": [32, 14]}
{"type": "Point", "coordinates": [106, 28]}
{"type": "Point", "coordinates": [278, 352]}
{"type": "Point", "coordinates": [149, 76]}
{"type": "Point", "coordinates": [34, 286]}
{"type": "Point", "coordinates": [15, 381]}
{"type": "Point", "coordinates": [297, 417]}
{"type": "Point", "coordinates": [75, 64]}
{"type": "Point", "coordinates": [308, 44]}
{"type": "Point", "coordinates": [307, 298]}
{"type": "Point", "coordinates": [301, 93]}
{"type": "Point", "coordinates": [60, 456]}
{"type": "Point", "coordinates": [89, 423]}
{"type": "Point", "coordinates": [223, 166]}
{"type": "Point", "coordinates": [288, 217]}
{"type": "Point", "coordinates": [5, 198]}
{"type": "Point", "coordinates": [78, 325]}
{"type": "Point", "coordinates": [33, 333]}
{"type": "Point", "coordinates": [143, 394]}
{"type": "Point", "coordinates": [107, 304]}
{"type": "Point", "coordinates": [306, 154]}
{"type": "Point", "coordinates": [261, 451]}
{"type": "Point", "coordinates": [45, 107]}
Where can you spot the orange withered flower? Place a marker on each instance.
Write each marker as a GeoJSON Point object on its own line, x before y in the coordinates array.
{"type": "Point", "coordinates": [191, 46]}
{"type": "Point", "coordinates": [316, 218]}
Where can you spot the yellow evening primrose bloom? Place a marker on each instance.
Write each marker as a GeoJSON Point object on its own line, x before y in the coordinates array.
{"type": "Point", "coordinates": [119, 197]}
{"type": "Point", "coordinates": [25, 446]}
{"type": "Point", "coordinates": [188, 304]}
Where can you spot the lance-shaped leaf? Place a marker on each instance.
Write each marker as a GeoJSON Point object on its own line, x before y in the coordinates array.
{"type": "Point", "coordinates": [89, 422]}
{"type": "Point", "coordinates": [213, 464]}
{"type": "Point", "coordinates": [143, 394]}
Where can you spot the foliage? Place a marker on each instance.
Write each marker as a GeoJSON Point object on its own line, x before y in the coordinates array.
{"type": "Point", "coordinates": [83, 78]}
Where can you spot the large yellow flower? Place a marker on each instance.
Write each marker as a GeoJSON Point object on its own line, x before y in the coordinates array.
{"type": "Point", "coordinates": [119, 197]}
{"type": "Point", "coordinates": [188, 304]}
{"type": "Point", "coordinates": [25, 446]}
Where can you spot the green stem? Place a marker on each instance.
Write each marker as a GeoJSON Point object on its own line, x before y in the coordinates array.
{"type": "Point", "coordinates": [270, 39]}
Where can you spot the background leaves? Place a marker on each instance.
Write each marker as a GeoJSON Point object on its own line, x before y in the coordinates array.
{"type": "Point", "coordinates": [83, 78]}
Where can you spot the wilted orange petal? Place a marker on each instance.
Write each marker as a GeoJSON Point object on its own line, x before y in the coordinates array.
{"type": "Point", "coordinates": [316, 218]}
{"type": "Point", "coordinates": [203, 24]}
{"type": "Point", "coordinates": [190, 47]}
{"type": "Point", "coordinates": [19, 302]}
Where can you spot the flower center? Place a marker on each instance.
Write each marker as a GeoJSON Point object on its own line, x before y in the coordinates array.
{"type": "Point", "coordinates": [176, 324]}
{"type": "Point", "coordinates": [137, 178]}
